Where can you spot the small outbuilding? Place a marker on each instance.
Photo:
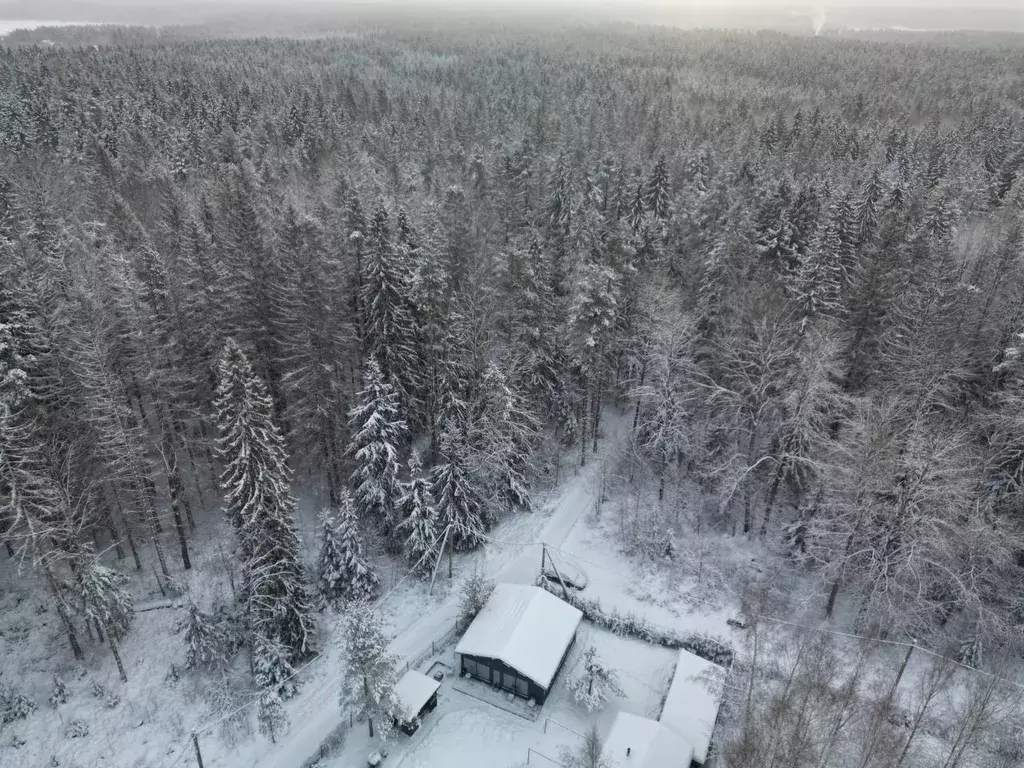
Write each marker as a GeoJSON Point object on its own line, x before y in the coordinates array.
{"type": "Point", "coordinates": [415, 696]}
{"type": "Point", "coordinates": [638, 742]}
{"type": "Point", "coordinates": [519, 641]}
{"type": "Point", "coordinates": [693, 700]}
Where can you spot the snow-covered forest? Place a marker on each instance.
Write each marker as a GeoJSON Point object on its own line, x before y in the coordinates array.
{"type": "Point", "coordinates": [282, 321]}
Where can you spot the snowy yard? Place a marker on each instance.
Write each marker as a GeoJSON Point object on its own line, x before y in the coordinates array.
{"type": "Point", "coordinates": [467, 732]}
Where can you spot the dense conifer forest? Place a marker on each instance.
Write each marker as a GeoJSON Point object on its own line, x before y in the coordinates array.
{"type": "Point", "coordinates": [412, 277]}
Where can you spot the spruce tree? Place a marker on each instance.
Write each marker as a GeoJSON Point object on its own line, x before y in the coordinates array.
{"type": "Point", "coordinates": [458, 504]}
{"type": "Point", "coordinates": [418, 519]}
{"type": "Point", "coordinates": [207, 642]}
{"type": "Point", "coordinates": [270, 715]}
{"type": "Point", "coordinates": [256, 484]}
{"type": "Point", "coordinates": [388, 332]}
{"type": "Point", "coordinates": [343, 570]}
{"type": "Point", "coordinates": [371, 674]}
{"type": "Point", "coordinates": [501, 431]}
{"type": "Point", "coordinates": [378, 435]}
{"type": "Point", "coordinates": [658, 192]}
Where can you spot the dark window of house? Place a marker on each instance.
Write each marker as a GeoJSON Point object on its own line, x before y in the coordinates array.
{"type": "Point", "coordinates": [469, 665]}
{"type": "Point", "coordinates": [523, 687]}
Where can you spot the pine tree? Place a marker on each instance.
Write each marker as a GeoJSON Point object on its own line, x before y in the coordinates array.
{"type": "Point", "coordinates": [371, 674]}
{"type": "Point", "coordinates": [343, 570]}
{"type": "Point", "coordinates": [256, 484]}
{"type": "Point", "coordinates": [595, 682]}
{"type": "Point", "coordinates": [458, 504]}
{"type": "Point", "coordinates": [378, 435]}
{"type": "Point", "coordinates": [418, 526]}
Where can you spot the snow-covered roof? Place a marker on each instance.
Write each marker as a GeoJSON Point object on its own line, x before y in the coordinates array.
{"type": "Point", "coordinates": [694, 697]}
{"type": "Point", "coordinates": [525, 627]}
{"type": "Point", "coordinates": [649, 743]}
{"type": "Point", "coordinates": [412, 692]}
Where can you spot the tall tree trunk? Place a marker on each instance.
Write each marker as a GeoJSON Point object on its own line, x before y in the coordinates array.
{"type": "Point", "coordinates": [117, 657]}
{"type": "Point", "coordinates": [182, 435]}
{"type": "Point", "coordinates": [128, 532]}
{"type": "Point", "coordinates": [772, 493]}
{"type": "Point", "coordinates": [65, 617]}
{"type": "Point", "coordinates": [366, 693]}
{"type": "Point", "coordinates": [177, 494]}
{"type": "Point", "coordinates": [115, 534]}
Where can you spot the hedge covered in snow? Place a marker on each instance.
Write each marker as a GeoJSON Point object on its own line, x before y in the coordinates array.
{"type": "Point", "coordinates": [630, 625]}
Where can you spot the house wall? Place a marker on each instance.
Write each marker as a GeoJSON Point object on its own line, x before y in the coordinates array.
{"type": "Point", "coordinates": [509, 678]}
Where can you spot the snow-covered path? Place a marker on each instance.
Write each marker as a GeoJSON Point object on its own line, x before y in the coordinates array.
{"type": "Point", "coordinates": [513, 556]}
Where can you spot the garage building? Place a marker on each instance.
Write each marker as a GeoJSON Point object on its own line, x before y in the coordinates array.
{"type": "Point", "coordinates": [519, 641]}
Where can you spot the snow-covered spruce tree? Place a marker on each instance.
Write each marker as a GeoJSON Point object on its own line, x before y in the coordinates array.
{"type": "Point", "coordinates": [458, 504]}
{"type": "Point", "coordinates": [317, 346]}
{"type": "Point", "coordinates": [256, 484]}
{"type": "Point", "coordinates": [417, 519]}
{"type": "Point", "coordinates": [343, 570]}
{"type": "Point", "coordinates": [207, 643]}
{"type": "Point", "coordinates": [501, 432]}
{"type": "Point", "coordinates": [593, 315]}
{"type": "Point", "coordinates": [272, 671]}
{"type": "Point", "coordinates": [659, 191]}
{"type": "Point", "coordinates": [270, 715]}
{"type": "Point", "coordinates": [388, 331]}
{"type": "Point", "coordinates": [595, 682]}
{"type": "Point", "coordinates": [532, 323]}
{"type": "Point", "coordinates": [371, 673]}
{"type": "Point", "coordinates": [378, 434]}
{"type": "Point", "coordinates": [104, 603]}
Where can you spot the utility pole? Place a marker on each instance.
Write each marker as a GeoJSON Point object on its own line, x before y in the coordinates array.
{"type": "Point", "coordinates": [565, 590]}
{"type": "Point", "coordinates": [437, 564]}
{"type": "Point", "coordinates": [195, 743]}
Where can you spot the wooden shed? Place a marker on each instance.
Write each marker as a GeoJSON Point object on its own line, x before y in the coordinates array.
{"type": "Point", "coordinates": [415, 696]}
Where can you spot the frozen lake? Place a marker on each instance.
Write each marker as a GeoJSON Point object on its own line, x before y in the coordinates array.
{"type": "Point", "coordinates": [9, 25]}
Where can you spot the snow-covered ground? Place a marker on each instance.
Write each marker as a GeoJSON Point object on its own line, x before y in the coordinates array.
{"type": "Point", "coordinates": [466, 731]}
{"type": "Point", "coordinates": [151, 725]}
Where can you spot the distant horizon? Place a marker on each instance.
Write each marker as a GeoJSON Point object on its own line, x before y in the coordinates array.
{"type": "Point", "coordinates": [843, 15]}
